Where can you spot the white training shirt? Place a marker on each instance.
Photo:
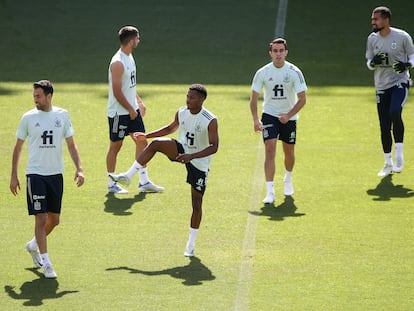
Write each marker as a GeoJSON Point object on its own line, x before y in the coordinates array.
{"type": "Point", "coordinates": [193, 134]}
{"type": "Point", "coordinates": [397, 46]}
{"type": "Point", "coordinates": [129, 84]}
{"type": "Point", "coordinates": [46, 132]}
{"type": "Point", "coordinates": [281, 86]}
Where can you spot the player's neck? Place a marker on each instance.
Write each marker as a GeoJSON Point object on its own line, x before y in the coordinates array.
{"type": "Point", "coordinates": [195, 110]}
{"type": "Point", "coordinates": [385, 31]}
{"type": "Point", "coordinates": [46, 108]}
{"type": "Point", "coordinates": [126, 50]}
{"type": "Point", "coordinates": [279, 64]}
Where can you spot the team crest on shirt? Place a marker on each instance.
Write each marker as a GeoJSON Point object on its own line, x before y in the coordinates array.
{"type": "Point", "coordinates": [286, 78]}
{"type": "Point", "coordinates": [394, 46]}
{"type": "Point", "coordinates": [58, 123]}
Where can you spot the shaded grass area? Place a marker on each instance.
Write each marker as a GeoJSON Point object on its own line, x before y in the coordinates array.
{"type": "Point", "coordinates": [213, 42]}
{"type": "Point", "coordinates": [209, 41]}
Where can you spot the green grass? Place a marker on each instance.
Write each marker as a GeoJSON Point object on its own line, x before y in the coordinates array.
{"type": "Point", "coordinates": [344, 243]}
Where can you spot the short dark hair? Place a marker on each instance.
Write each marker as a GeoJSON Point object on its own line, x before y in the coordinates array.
{"type": "Point", "coordinates": [45, 85]}
{"type": "Point", "coordinates": [201, 89]}
{"type": "Point", "coordinates": [278, 40]}
{"type": "Point", "coordinates": [127, 33]}
{"type": "Point", "coordinates": [384, 11]}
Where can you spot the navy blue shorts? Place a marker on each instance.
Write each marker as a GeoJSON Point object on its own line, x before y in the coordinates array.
{"type": "Point", "coordinates": [391, 101]}
{"type": "Point", "coordinates": [121, 125]}
{"type": "Point", "coordinates": [273, 128]}
{"type": "Point", "coordinates": [44, 193]}
{"type": "Point", "coordinates": [196, 178]}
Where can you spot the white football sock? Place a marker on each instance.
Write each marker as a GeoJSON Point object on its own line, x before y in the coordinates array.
{"type": "Point", "coordinates": [45, 258]}
{"type": "Point", "coordinates": [388, 158]}
{"type": "Point", "coordinates": [192, 237]}
{"type": "Point", "coordinates": [399, 150]}
{"type": "Point", "coordinates": [135, 167]}
{"type": "Point", "coordinates": [288, 176]}
{"type": "Point", "coordinates": [269, 187]}
{"type": "Point", "coordinates": [33, 243]}
{"type": "Point", "coordinates": [110, 181]}
{"type": "Point", "coordinates": [143, 176]}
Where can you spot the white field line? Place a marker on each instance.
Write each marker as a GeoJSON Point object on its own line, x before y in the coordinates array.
{"type": "Point", "coordinates": [249, 242]}
{"type": "Point", "coordinates": [281, 19]}
{"type": "Point", "coordinates": [241, 302]}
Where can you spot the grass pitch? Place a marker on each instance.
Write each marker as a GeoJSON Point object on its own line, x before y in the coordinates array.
{"type": "Point", "coordinates": [343, 242]}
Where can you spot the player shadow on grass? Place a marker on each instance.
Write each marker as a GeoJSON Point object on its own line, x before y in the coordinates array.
{"type": "Point", "coordinates": [192, 274]}
{"type": "Point", "coordinates": [386, 190]}
{"type": "Point", "coordinates": [119, 206]}
{"type": "Point", "coordinates": [6, 91]}
{"type": "Point", "coordinates": [279, 212]}
{"type": "Point", "coordinates": [37, 290]}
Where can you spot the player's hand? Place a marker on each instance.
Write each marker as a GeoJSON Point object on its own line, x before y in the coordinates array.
{"type": "Point", "coordinates": [133, 114]}
{"type": "Point", "coordinates": [400, 67]}
{"type": "Point", "coordinates": [258, 126]}
{"type": "Point", "coordinates": [183, 158]}
{"type": "Point", "coordinates": [283, 118]}
{"type": "Point", "coordinates": [14, 185]}
{"type": "Point", "coordinates": [138, 136]}
{"type": "Point", "coordinates": [79, 178]}
{"type": "Point", "coordinates": [378, 59]}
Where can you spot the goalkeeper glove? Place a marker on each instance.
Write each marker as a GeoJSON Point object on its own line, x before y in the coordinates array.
{"type": "Point", "coordinates": [378, 59]}
{"type": "Point", "coordinates": [400, 67]}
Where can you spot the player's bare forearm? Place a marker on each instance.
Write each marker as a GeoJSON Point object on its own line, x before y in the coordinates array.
{"type": "Point", "coordinates": [165, 130]}
{"type": "Point", "coordinates": [253, 105]}
{"type": "Point", "coordinates": [298, 106]}
{"type": "Point", "coordinates": [16, 157]}
{"type": "Point", "coordinates": [257, 124]}
{"type": "Point", "coordinates": [120, 97]}
{"type": "Point", "coordinates": [187, 157]}
{"type": "Point", "coordinates": [212, 149]}
{"type": "Point", "coordinates": [74, 154]}
{"type": "Point", "coordinates": [14, 179]}
{"type": "Point", "coordinates": [141, 106]}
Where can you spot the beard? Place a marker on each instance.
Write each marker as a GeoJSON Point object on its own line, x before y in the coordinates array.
{"type": "Point", "coordinates": [376, 29]}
